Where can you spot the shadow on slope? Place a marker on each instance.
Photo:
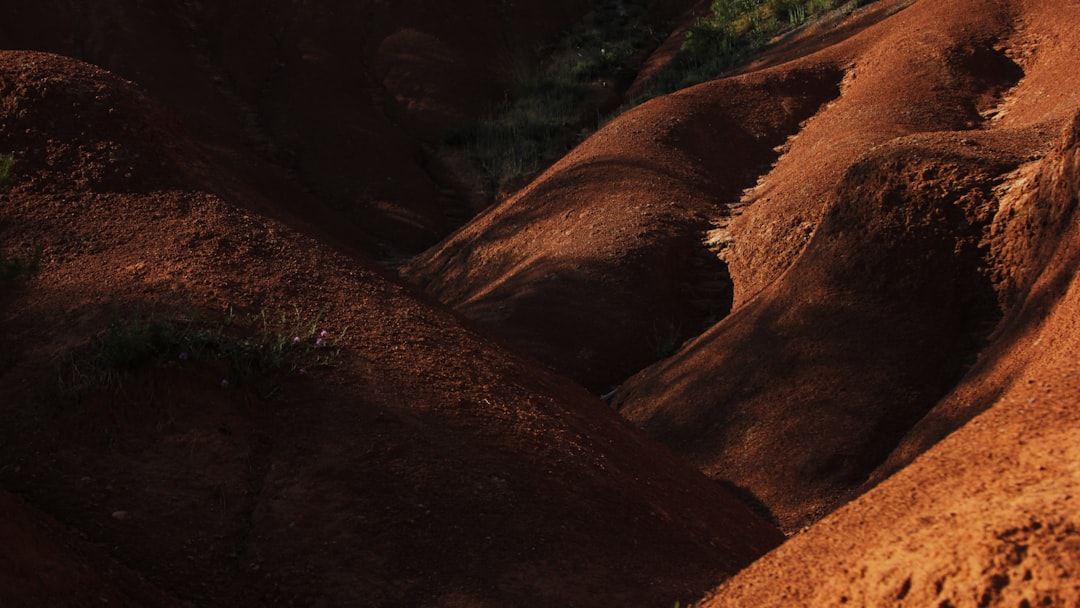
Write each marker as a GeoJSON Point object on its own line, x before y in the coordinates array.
{"type": "Point", "coordinates": [588, 263]}
{"type": "Point", "coordinates": [987, 515]}
{"type": "Point", "coordinates": [320, 108]}
{"type": "Point", "coordinates": [427, 467]}
{"type": "Point", "coordinates": [812, 384]}
{"type": "Point", "coordinates": [45, 565]}
{"type": "Point", "coordinates": [1034, 268]}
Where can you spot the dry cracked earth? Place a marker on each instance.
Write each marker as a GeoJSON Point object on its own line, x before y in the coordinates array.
{"type": "Point", "coordinates": [281, 347]}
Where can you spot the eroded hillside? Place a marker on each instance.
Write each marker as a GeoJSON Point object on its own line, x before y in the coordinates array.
{"type": "Point", "coordinates": [246, 416]}
{"type": "Point", "coordinates": [828, 294]}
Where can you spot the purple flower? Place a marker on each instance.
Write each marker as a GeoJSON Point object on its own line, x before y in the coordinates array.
{"type": "Point", "coordinates": [296, 339]}
{"type": "Point", "coordinates": [319, 342]}
{"type": "Point", "coordinates": [224, 383]}
{"type": "Point", "coordinates": [302, 370]}
{"type": "Point", "coordinates": [324, 333]}
{"type": "Point", "coordinates": [183, 356]}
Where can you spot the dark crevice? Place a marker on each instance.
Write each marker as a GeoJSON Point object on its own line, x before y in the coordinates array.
{"type": "Point", "coordinates": [748, 498]}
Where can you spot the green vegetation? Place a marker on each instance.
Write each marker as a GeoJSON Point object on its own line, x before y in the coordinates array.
{"type": "Point", "coordinates": [522, 135]}
{"type": "Point", "coordinates": [735, 30]}
{"type": "Point", "coordinates": [548, 110]}
{"type": "Point", "coordinates": [7, 164]}
{"type": "Point", "coordinates": [255, 350]}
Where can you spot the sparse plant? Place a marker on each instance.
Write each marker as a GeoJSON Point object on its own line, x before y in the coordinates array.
{"type": "Point", "coordinates": [734, 30]}
{"type": "Point", "coordinates": [797, 15]}
{"type": "Point", "coordinates": [249, 350]}
{"type": "Point", "coordinates": [549, 109]}
{"type": "Point", "coordinates": [7, 166]}
{"type": "Point", "coordinates": [524, 133]}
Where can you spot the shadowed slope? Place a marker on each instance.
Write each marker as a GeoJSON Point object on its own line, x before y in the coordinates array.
{"type": "Point", "coordinates": [930, 67]}
{"type": "Point", "coordinates": [595, 272]}
{"type": "Point", "coordinates": [818, 374]}
{"type": "Point", "coordinates": [809, 386]}
{"type": "Point", "coordinates": [321, 106]}
{"type": "Point", "coordinates": [988, 516]}
{"type": "Point", "coordinates": [1035, 205]}
{"type": "Point", "coordinates": [44, 565]}
{"type": "Point", "coordinates": [424, 467]}
{"type": "Point", "coordinates": [598, 268]}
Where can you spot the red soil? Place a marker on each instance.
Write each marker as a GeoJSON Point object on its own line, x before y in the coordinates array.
{"type": "Point", "coordinates": [428, 467]}
{"type": "Point", "coordinates": [847, 271]}
{"type": "Point", "coordinates": [913, 262]}
{"type": "Point", "coordinates": [988, 516]}
{"type": "Point", "coordinates": [863, 263]}
{"type": "Point", "coordinates": [598, 266]}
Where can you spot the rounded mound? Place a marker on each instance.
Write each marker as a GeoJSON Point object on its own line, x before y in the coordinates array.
{"type": "Point", "coordinates": [838, 347]}
{"type": "Point", "coordinates": [77, 126]}
{"type": "Point", "coordinates": [988, 516]}
{"type": "Point", "coordinates": [599, 267]}
{"type": "Point", "coordinates": [413, 462]}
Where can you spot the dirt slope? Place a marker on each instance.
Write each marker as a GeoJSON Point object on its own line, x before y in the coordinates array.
{"type": "Point", "coordinates": [925, 69]}
{"type": "Point", "coordinates": [861, 269]}
{"type": "Point", "coordinates": [336, 98]}
{"type": "Point", "coordinates": [852, 263]}
{"type": "Point", "coordinates": [876, 321]}
{"type": "Point", "coordinates": [425, 466]}
{"type": "Point", "coordinates": [639, 282]}
{"type": "Point", "coordinates": [904, 280]}
{"type": "Point", "coordinates": [1035, 206]}
{"type": "Point", "coordinates": [988, 516]}
{"type": "Point", "coordinates": [598, 267]}
{"type": "Point", "coordinates": [45, 565]}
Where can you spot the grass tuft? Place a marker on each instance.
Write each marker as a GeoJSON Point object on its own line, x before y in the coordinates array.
{"type": "Point", "coordinates": [548, 110]}
{"type": "Point", "coordinates": [7, 166]}
{"type": "Point", "coordinates": [733, 31]}
{"type": "Point", "coordinates": [251, 351]}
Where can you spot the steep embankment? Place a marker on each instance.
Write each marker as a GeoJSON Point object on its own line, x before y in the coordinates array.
{"type": "Point", "coordinates": [1027, 228]}
{"type": "Point", "coordinates": [598, 268]}
{"type": "Point", "coordinates": [421, 466]}
{"type": "Point", "coordinates": [988, 516]}
{"type": "Point", "coordinates": [902, 267]}
{"type": "Point", "coordinates": [888, 306]}
{"type": "Point", "coordinates": [859, 269]}
{"type": "Point", "coordinates": [815, 381]}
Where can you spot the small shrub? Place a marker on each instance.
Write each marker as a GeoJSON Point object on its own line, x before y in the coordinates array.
{"type": "Point", "coordinates": [523, 134]}
{"type": "Point", "coordinates": [253, 350]}
{"type": "Point", "coordinates": [734, 30]}
{"type": "Point", "coordinates": [127, 345]}
{"type": "Point", "coordinates": [7, 166]}
{"type": "Point", "coordinates": [547, 110]}
{"type": "Point", "coordinates": [797, 15]}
